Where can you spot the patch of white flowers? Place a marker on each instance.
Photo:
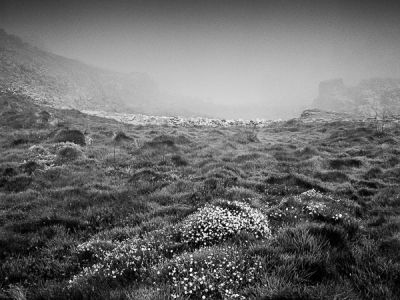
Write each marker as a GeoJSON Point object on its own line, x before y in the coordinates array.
{"type": "Point", "coordinates": [131, 259]}
{"type": "Point", "coordinates": [329, 209]}
{"type": "Point", "coordinates": [214, 223]}
{"type": "Point", "coordinates": [315, 208]}
{"type": "Point", "coordinates": [212, 273]}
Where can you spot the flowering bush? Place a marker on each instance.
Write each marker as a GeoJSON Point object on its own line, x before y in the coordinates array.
{"type": "Point", "coordinates": [212, 273]}
{"type": "Point", "coordinates": [214, 223]}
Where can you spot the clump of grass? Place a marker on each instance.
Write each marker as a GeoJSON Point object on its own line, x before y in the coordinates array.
{"type": "Point", "coordinates": [70, 135]}
{"type": "Point", "coordinates": [245, 137]}
{"type": "Point", "coordinates": [179, 161]}
{"type": "Point", "coordinates": [69, 153]}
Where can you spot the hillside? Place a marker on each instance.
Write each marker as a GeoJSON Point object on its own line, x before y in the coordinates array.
{"type": "Point", "coordinates": [91, 208]}
{"type": "Point", "coordinates": [370, 96]}
{"type": "Point", "coordinates": [62, 82]}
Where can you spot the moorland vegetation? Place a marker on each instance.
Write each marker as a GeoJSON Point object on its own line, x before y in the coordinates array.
{"type": "Point", "coordinates": [95, 209]}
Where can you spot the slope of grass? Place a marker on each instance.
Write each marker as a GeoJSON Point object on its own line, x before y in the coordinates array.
{"type": "Point", "coordinates": [196, 212]}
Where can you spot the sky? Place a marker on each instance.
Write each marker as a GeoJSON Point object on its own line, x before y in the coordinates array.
{"type": "Point", "coordinates": [272, 53]}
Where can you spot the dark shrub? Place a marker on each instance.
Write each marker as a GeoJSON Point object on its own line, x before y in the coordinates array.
{"type": "Point", "coordinates": [68, 135]}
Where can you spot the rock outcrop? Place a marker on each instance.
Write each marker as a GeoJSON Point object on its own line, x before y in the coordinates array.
{"type": "Point", "coordinates": [369, 97]}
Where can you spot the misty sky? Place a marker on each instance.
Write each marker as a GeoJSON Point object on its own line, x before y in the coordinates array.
{"type": "Point", "coordinates": [272, 52]}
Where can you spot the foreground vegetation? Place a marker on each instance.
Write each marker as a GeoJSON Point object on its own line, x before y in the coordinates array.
{"type": "Point", "coordinates": [94, 209]}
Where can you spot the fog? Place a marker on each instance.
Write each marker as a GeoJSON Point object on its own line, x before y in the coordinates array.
{"type": "Point", "coordinates": [244, 53]}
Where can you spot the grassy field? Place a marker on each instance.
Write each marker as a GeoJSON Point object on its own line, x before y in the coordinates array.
{"type": "Point", "coordinates": [94, 209]}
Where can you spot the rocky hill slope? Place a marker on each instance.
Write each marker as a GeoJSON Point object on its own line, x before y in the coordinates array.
{"type": "Point", "coordinates": [57, 81]}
